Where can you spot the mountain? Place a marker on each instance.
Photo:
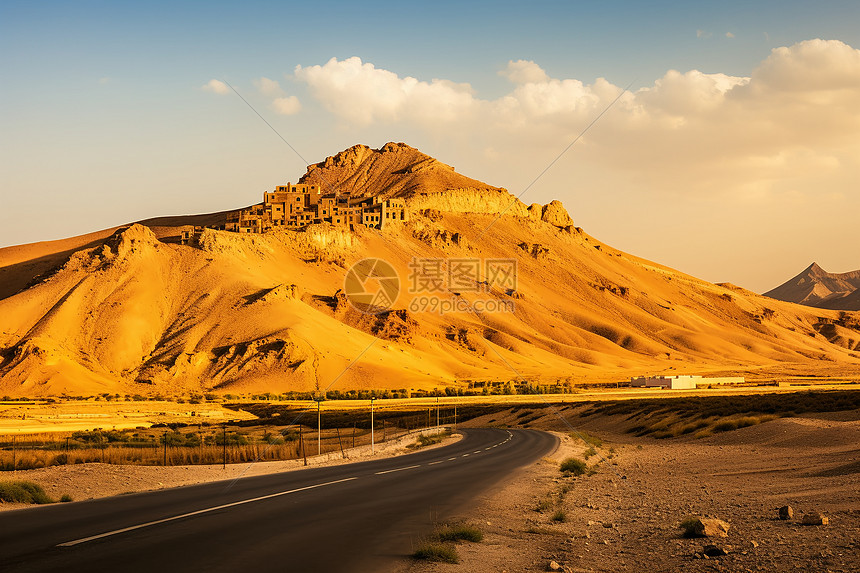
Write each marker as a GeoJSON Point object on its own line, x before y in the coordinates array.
{"type": "Point", "coordinates": [134, 311]}
{"type": "Point", "coordinates": [818, 288]}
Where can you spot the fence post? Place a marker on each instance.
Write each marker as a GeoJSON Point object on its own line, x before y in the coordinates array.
{"type": "Point", "coordinates": [224, 447]}
{"type": "Point", "coordinates": [14, 460]}
{"type": "Point", "coordinates": [165, 447]}
{"type": "Point", "coordinates": [336, 429]}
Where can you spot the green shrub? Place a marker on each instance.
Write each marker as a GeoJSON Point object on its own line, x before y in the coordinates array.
{"type": "Point", "coordinates": [434, 551]}
{"type": "Point", "coordinates": [559, 516]}
{"type": "Point", "coordinates": [65, 498]}
{"type": "Point", "coordinates": [574, 466]}
{"type": "Point", "coordinates": [23, 492]}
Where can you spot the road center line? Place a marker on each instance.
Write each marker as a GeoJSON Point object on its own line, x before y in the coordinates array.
{"type": "Point", "coordinates": [198, 512]}
{"type": "Point", "coordinates": [397, 470]}
{"type": "Point", "coordinates": [451, 459]}
{"type": "Point", "coordinates": [436, 462]}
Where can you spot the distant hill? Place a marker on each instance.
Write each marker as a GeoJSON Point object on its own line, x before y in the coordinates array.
{"type": "Point", "coordinates": [820, 289]}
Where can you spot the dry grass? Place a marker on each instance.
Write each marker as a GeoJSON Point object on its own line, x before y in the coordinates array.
{"type": "Point", "coordinates": [436, 551]}
{"type": "Point", "coordinates": [702, 417]}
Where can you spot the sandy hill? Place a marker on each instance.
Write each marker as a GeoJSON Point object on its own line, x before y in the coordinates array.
{"type": "Point", "coordinates": [816, 287]}
{"type": "Point", "coordinates": [134, 312]}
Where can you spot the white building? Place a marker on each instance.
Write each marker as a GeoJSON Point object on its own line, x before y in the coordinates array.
{"type": "Point", "coordinates": [680, 382]}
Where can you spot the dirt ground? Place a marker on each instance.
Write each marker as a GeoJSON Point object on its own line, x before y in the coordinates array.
{"type": "Point", "coordinates": [626, 516]}
{"type": "Point", "coordinates": [94, 480]}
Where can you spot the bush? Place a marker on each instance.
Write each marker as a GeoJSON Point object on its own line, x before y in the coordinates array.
{"type": "Point", "coordinates": [459, 533]}
{"type": "Point", "coordinates": [543, 505]}
{"type": "Point", "coordinates": [574, 466]}
{"type": "Point", "coordinates": [23, 492]}
{"type": "Point", "coordinates": [559, 516]}
{"type": "Point", "coordinates": [441, 552]}
{"type": "Point", "coordinates": [65, 498]}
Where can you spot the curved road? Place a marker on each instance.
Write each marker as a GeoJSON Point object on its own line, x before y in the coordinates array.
{"type": "Point", "coordinates": [353, 517]}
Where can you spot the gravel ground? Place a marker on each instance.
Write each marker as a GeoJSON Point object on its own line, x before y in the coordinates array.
{"type": "Point", "coordinates": [626, 516]}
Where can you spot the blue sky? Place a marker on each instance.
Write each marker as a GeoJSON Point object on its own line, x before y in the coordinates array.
{"type": "Point", "coordinates": [105, 119]}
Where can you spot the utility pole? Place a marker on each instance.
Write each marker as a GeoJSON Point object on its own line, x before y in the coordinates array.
{"type": "Point", "coordinates": [302, 445]}
{"type": "Point", "coordinates": [224, 446]}
{"type": "Point", "coordinates": [372, 445]}
{"type": "Point", "coordinates": [455, 415]}
{"type": "Point", "coordinates": [319, 426]}
{"type": "Point", "coordinates": [437, 411]}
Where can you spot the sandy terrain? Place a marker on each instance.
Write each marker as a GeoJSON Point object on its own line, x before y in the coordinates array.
{"type": "Point", "coordinates": [626, 516]}
{"type": "Point", "coordinates": [94, 480]}
{"type": "Point", "coordinates": [34, 418]}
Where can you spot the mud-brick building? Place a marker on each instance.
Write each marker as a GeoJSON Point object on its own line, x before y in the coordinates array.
{"type": "Point", "coordinates": [299, 205]}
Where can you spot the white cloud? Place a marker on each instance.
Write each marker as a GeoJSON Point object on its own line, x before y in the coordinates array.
{"type": "Point", "coordinates": [289, 105]}
{"type": "Point", "coordinates": [729, 35]}
{"type": "Point", "coordinates": [794, 117]}
{"type": "Point", "coordinates": [268, 87]}
{"type": "Point", "coordinates": [702, 34]}
{"type": "Point", "coordinates": [524, 72]}
{"type": "Point", "coordinates": [216, 86]}
{"type": "Point", "coordinates": [361, 93]}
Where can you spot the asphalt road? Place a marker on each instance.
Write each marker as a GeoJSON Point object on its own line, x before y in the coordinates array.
{"type": "Point", "coordinates": [355, 517]}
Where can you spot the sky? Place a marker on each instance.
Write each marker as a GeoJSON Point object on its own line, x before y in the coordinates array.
{"type": "Point", "coordinates": [726, 142]}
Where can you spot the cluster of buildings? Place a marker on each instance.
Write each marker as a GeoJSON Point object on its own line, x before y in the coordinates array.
{"type": "Point", "coordinates": [299, 205]}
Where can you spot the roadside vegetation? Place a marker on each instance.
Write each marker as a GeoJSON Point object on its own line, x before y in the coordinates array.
{"type": "Point", "coordinates": [702, 416]}
{"type": "Point", "coordinates": [26, 492]}
{"type": "Point", "coordinates": [423, 440]}
{"type": "Point", "coordinates": [441, 545]}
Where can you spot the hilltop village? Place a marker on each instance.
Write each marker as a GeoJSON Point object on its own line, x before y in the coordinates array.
{"type": "Point", "coordinates": [299, 205]}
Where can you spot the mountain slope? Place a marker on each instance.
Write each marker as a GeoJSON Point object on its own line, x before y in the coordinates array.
{"type": "Point", "coordinates": [134, 314]}
{"type": "Point", "coordinates": [816, 287]}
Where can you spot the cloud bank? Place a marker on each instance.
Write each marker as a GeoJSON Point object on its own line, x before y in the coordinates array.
{"type": "Point", "coordinates": [793, 119]}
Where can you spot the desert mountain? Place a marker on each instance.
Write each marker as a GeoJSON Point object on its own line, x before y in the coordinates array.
{"type": "Point", "coordinates": [135, 311]}
{"type": "Point", "coordinates": [818, 288]}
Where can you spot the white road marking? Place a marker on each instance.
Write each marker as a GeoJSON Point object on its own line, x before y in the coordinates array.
{"type": "Point", "coordinates": [434, 463]}
{"type": "Point", "coordinates": [477, 452]}
{"type": "Point", "coordinates": [465, 455]}
{"type": "Point", "coordinates": [397, 470]}
{"type": "Point", "coordinates": [198, 512]}
{"type": "Point", "coordinates": [451, 459]}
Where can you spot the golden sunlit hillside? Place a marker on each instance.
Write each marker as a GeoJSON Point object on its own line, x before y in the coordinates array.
{"type": "Point", "coordinates": [136, 311]}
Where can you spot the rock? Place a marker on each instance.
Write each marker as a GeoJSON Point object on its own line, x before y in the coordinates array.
{"type": "Point", "coordinates": [786, 512]}
{"type": "Point", "coordinates": [714, 551]}
{"type": "Point", "coordinates": [554, 566]}
{"type": "Point", "coordinates": [555, 214]}
{"type": "Point", "coordinates": [815, 518]}
{"type": "Point", "coordinates": [705, 527]}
